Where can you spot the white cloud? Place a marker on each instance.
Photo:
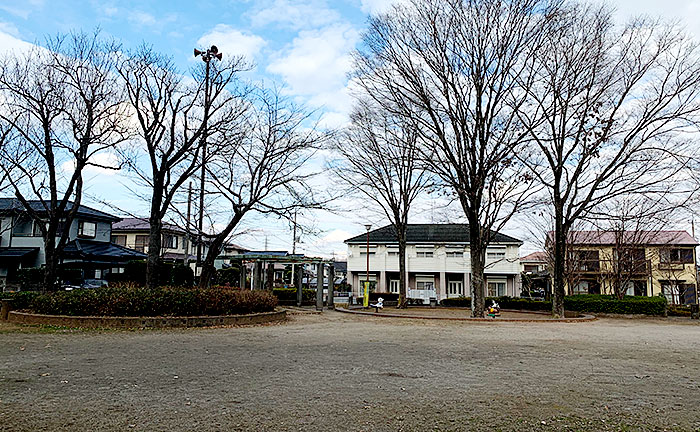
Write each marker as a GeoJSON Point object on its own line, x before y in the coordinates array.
{"type": "Point", "coordinates": [21, 9]}
{"type": "Point", "coordinates": [376, 6]}
{"type": "Point", "coordinates": [232, 42]}
{"type": "Point", "coordinates": [8, 42]}
{"type": "Point", "coordinates": [295, 14]}
{"type": "Point", "coordinates": [316, 64]}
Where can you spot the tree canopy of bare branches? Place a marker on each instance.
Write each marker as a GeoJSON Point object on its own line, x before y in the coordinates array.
{"type": "Point", "coordinates": [380, 159]}
{"type": "Point", "coordinates": [454, 69]}
{"type": "Point", "coordinates": [175, 120]}
{"type": "Point", "coordinates": [610, 112]}
{"type": "Point", "coordinates": [265, 169]}
{"type": "Point", "coordinates": [61, 107]}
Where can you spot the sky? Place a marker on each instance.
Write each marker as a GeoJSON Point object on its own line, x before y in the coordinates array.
{"type": "Point", "coordinates": [302, 46]}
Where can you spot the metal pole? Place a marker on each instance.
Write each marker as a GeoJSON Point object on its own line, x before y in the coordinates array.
{"type": "Point", "coordinates": [206, 59]}
{"type": "Point", "coordinates": [187, 226]}
{"type": "Point", "coordinates": [331, 286]}
{"type": "Point", "coordinates": [367, 277]}
{"type": "Point", "coordinates": [319, 287]}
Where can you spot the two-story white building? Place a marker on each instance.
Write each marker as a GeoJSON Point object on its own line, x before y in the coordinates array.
{"type": "Point", "coordinates": [437, 262]}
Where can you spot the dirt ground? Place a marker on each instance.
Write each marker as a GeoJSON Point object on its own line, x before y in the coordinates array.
{"type": "Point", "coordinates": [452, 313]}
{"type": "Point", "coordinates": [345, 372]}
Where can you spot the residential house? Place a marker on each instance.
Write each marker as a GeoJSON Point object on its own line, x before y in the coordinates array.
{"type": "Point", "coordinates": [438, 264]}
{"type": "Point", "coordinates": [176, 246]}
{"type": "Point", "coordinates": [89, 249]}
{"type": "Point", "coordinates": [535, 262]}
{"type": "Point", "coordinates": [648, 263]}
{"type": "Point", "coordinates": [535, 276]}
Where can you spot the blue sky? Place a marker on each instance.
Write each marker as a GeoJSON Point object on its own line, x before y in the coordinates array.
{"type": "Point", "coordinates": [301, 45]}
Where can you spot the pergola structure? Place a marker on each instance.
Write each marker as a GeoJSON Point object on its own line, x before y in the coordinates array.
{"type": "Point", "coordinates": [262, 276]}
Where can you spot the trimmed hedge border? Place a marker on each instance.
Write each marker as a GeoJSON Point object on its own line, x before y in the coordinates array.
{"type": "Point", "coordinates": [584, 318]}
{"type": "Point", "coordinates": [145, 322]}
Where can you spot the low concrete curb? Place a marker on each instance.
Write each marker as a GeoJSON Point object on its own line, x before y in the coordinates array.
{"type": "Point", "coordinates": [584, 318]}
{"type": "Point", "coordinates": [145, 322]}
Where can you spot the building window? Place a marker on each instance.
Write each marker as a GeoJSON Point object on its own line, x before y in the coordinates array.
{"type": "Point", "coordinates": [87, 229]}
{"type": "Point", "coordinates": [141, 242]}
{"type": "Point", "coordinates": [676, 256]}
{"type": "Point", "coordinates": [424, 254]}
{"type": "Point", "coordinates": [119, 240]}
{"type": "Point", "coordinates": [22, 226]}
{"type": "Point", "coordinates": [427, 286]}
{"type": "Point", "coordinates": [170, 241]}
{"type": "Point", "coordinates": [496, 289]}
{"type": "Point", "coordinates": [394, 286]}
{"type": "Point", "coordinates": [393, 253]}
{"type": "Point", "coordinates": [454, 288]}
{"type": "Point", "coordinates": [453, 254]}
{"type": "Point", "coordinates": [496, 254]}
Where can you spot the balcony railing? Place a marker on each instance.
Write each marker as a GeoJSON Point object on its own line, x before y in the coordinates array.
{"type": "Point", "coordinates": [637, 268]}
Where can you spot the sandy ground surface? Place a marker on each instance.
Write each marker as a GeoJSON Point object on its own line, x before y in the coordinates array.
{"type": "Point", "coordinates": [345, 372]}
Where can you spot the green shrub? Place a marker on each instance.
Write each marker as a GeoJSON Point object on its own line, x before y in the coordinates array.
{"type": "Point", "coordinates": [128, 300]}
{"type": "Point", "coordinates": [608, 304]}
{"type": "Point", "coordinates": [30, 278]}
{"type": "Point", "coordinates": [457, 302]}
{"type": "Point", "coordinates": [289, 295]}
{"type": "Point", "coordinates": [679, 310]}
{"type": "Point", "coordinates": [22, 299]}
{"type": "Point", "coordinates": [228, 276]}
{"type": "Point", "coordinates": [181, 275]}
{"type": "Point", "coordinates": [388, 297]}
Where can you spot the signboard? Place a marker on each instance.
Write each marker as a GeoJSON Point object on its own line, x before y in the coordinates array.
{"type": "Point", "coordinates": [365, 300]}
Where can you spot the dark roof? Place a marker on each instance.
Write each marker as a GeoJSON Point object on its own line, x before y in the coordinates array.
{"type": "Point", "coordinates": [13, 205]}
{"type": "Point", "coordinates": [17, 252]}
{"type": "Point", "coordinates": [100, 251]}
{"type": "Point", "coordinates": [340, 266]}
{"type": "Point", "coordinates": [142, 224]}
{"type": "Point", "coordinates": [652, 238]}
{"type": "Point", "coordinates": [428, 233]}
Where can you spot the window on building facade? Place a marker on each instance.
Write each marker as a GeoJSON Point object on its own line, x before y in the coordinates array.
{"type": "Point", "coordinates": [22, 226]}
{"type": "Point", "coordinates": [496, 254]}
{"type": "Point", "coordinates": [424, 254]}
{"type": "Point", "coordinates": [676, 256]}
{"type": "Point", "coordinates": [393, 253]}
{"type": "Point", "coordinates": [455, 254]}
{"type": "Point", "coordinates": [119, 240]}
{"type": "Point", "coordinates": [429, 286]}
{"type": "Point", "coordinates": [87, 229]}
{"type": "Point", "coordinates": [141, 242]}
{"type": "Point", "coordinates": [454, 288]}
{"type": "Point", "coordinates": [394, 286]}
{"type": "Point", "coordinates": [170, 241]}
{"type": "Point", "coordinates": [496, 289]}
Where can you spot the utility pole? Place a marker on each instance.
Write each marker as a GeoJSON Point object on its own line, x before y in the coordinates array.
{"type": "Point", "coordinates": [294, 242]}
{"type": "Point", "coordinates": [188, 233]}
{"type": "Point", "coordinates": [207, 56]}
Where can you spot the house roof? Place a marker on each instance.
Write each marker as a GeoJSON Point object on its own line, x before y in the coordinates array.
{"type": "Point", "coordinates": [340, 266]}
{"type": "Point", "coordinates": [142, 224]}
{"type": "Point", "coordinates": [13, 205]}
{"type": "Point", "coordinates": [656, 238]}
{"type": "Point", "coordinates": [17, 252]}
{"type": "Point", "coordinates": [539, 256]}
{"type": "Point", "coordinates": [100, 251]}
{"type": "Point", "coordinates": [427, 233]}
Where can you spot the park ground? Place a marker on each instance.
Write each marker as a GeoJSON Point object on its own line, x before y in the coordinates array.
{"type": "Point", "coordinates": [335, 371]}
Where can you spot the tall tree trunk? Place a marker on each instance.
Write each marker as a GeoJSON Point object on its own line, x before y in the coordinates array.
{"type": "Point", "coordinates": [208, 270]}
{"type": "Point", "coordinates": [51, 264]}
{"type": "Point", "coordinates": [403, 283]}
{"type": "Point", "coordinates": [154, 247]}
{"type": "Point", "coordinates": [477, 253]}
{"type": "Point", "coordinates": [560, 234]}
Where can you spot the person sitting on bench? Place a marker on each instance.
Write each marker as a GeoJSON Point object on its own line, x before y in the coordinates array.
{"type": "Point", "coordinates": [378, 305]}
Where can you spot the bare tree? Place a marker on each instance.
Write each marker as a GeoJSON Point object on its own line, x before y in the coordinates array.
{"type": "Point", "coordinates": [170, 115]}
{"type": "Point", "coordinates": [62, 105]}
{"type": "Point", "coordinates": [608, 115]}
{"type": "Point", "coordinates": [381, 161]}
{"type": "Point", "coordinates": [266, 170]}
{"type": "Point", "coordinates": [454, 68]}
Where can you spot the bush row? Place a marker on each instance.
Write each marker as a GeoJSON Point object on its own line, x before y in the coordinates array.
{"type": "Point", "coordinates": [129, 300]}
{"type": "Point", "coordinates": [579, 303]}
{"type": "Point", "coordinates": [289, 295]}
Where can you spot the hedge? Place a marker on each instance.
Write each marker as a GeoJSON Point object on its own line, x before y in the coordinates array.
{"type": "Point", "coordinates": [21, 299]}
{"type": "Point", "coordinates": [128, 300]}
{"type": "Point", "coordinates": [289, 295]}
{"type": "Point", "coordinates": [579, 303]}
{"type": "Point", "coordinates": [608, 304]}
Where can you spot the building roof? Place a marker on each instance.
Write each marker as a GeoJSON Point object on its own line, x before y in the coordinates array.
{"type": "Point", "coordinates": [428, 234]}
{"type": "Point", "coordinates": [539, 256]}
{"type": "Point", "coordinates": [17, 252]}
{"type": "Point", "coordinates": [142, 224]}
{"type": "Point", "coordinates": [100, 251]}
{"type": "Point", "coordinates": [655, 238]}
{"type": "Point", "coordinates": [340, 266]}
{"type": "Point", "coordinates": [13, 205]}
